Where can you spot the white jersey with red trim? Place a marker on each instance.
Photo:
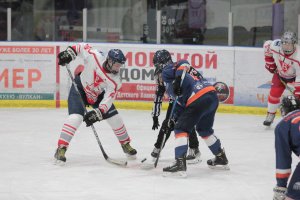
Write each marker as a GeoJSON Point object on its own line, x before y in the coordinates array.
{"type": "Point", "coordinates": [95, 79]}
{"type": "Point", "coordinates": [288, 66]}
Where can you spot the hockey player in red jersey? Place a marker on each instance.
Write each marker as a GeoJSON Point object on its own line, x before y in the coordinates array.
{"type": "Point", "coordinates": [287, 141]}
{"type": "Point", "coordinates": [282, 59]}
{"type": "Point", "coordinates": [98, 84]}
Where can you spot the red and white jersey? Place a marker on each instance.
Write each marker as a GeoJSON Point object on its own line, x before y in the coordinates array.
{"type": "Point", "coordinates": [288, 66]}
{"type": "Point", "coordinates": [95, 79]}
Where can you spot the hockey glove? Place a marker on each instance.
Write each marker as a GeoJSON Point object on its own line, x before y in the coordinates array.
{"type": "Point", "coordinates": [279, 193]}
{"type": "Point", "coordinates": [155, 123]}
{"type": "Point", "coordinates": [176, 86]}
{"type": "Point", "coordinates": [171, 124]}
{"type": "Point", "coordinates": [92, 116]}
{"type": "Point", "coordinates": [164, 127]}
{"type": "Point", "coordinates": [271, 67]}
{"type": "Point", "coordinates": [167, 126]}
{"type": "Point", "coordinates": [65, 57]}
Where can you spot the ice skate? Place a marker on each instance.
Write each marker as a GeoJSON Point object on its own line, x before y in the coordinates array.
{"type": "Point", "coordinates": [178, 169]}
{"type": "Point", "coordinates": [194, 156]}
{"type": "Point", "coordinates": [269, 119]}
{"type": "Point", "coordinates": [129, 151]}
{"type": "Point", "coordinates": [155, 152]}
{"type": "Point", "coordinates": [279, 193]}
{"type": "Point", "coordinates": [59, 155]}
{"type": "Point", "coordinates": [219, 162]}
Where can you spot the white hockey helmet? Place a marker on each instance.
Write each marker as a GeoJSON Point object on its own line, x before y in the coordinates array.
{"type": "Point", "coordinates": [288, 41]}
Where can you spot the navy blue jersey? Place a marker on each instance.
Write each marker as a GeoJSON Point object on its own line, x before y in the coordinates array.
{"type": "Point", "coordinates": [287, 141]}
{"type": "Point", "coordinates": [196, 106]}
{"type": "Point", "coordinates": [192, 86]}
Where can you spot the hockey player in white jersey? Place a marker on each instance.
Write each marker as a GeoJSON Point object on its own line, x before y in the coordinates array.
{"type": "Point", "coordinates": [282, 59]}
{"type": "Point", "coordinates": [98, 84]}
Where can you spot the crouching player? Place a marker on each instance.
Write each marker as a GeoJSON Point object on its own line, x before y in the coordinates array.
{"type": "Point", "coordinates": [98, 84]}
{"type": "Point", "coordinates": [287, 140]}
{"type": "Point", "coordinates": [196, 105]}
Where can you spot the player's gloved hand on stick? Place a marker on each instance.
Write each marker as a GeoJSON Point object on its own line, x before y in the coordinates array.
{"type": "Point", "coordinates": [176, 86]}
{"type": "Point", "coordinates": [271, 67]}
{"type": "Point", "coordinates": [164, 126]}
{"type": "Point", "coordinates": [92, 116]}
{"type": "Point", "coordinates": [155, 123]}
{"type": "Point", "coordinates": [171, 124]}
{"type": "Point", "coordinates": [279, 193]}
{"type": "Point", "coordinates": [168, 125]}
{"type": "Point", "coordinates": [66, 56]}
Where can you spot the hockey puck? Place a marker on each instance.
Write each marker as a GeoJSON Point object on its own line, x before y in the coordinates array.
{"type": "Point", "coordinates": [144, 160]}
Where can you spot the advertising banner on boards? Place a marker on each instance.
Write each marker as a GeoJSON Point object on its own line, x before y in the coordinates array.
{"type": "Point", "coordinates": [27, 72]}
{"type": "Point", "coordinates": [215, 63]}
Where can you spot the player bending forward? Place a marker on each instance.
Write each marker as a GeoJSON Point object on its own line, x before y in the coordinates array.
{"type": "Point", "coordinates": [282, 59]}
{"type": "Point", "coordinates": [98, 84]}
{"type": "Point", "coordinates": [163, 57]}
{"type": "Point", "coordinates": [195, 107]}
{"type": "Point", "coordinates": [287, 141]}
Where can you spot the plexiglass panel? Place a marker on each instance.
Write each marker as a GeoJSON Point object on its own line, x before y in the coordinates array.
{"type": "Point", "coordinates": [194, 22]}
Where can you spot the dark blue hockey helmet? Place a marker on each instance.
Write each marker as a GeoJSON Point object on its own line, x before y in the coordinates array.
{"type": "Point", "coordinates": [116, 55]}
{"type": "Point", "coordinates": [289, 104]}
{"type": "Point", "coordinates": [160, 59]}
{"type": "Point", "coordinates": [115, 60]}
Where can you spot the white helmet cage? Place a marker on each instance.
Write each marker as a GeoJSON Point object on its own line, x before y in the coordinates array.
{"type": "Point", "coordinates": [288, 41]}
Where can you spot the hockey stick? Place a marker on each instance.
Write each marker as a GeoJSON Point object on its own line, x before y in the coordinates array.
{"type": "Point", "coordinates": [291, 90]}
{"type": "Point", "coordinates": [171, 115]}
{"type": "Point", "coordinates": [108, 159]}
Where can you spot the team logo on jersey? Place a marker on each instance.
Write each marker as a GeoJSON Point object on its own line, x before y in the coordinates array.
{"type": "Point", "coordinates": [223, 91]}
{"type": "Point", "coordinates": [284, 66]}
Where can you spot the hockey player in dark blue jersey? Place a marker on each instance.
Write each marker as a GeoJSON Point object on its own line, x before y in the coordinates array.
{"type": "Point", "coordinates": [163, 57]}
{"type": "Point", "coordinates": [195, 106]}
{"type": "Point", "coordinates": [287, 141]}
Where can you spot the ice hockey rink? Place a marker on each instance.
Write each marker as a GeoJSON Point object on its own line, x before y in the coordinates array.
{"type": "Point", "coordinates": [28, 139]}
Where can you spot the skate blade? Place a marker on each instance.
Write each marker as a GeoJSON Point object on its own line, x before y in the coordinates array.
{"type": "Point", "coordinates": [180, 174]}
{"type": "Point", "coordinates": [194, 161]}
{"type": "Point", "coordinates": [267, 124]}
{"type": "Point", "coordinates": [219, 167]}
{"type": "Point", "coordinates": [59, 162]}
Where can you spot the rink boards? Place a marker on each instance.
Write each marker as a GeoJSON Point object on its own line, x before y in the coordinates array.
{"type": "Point", "coordinates": [31, 77]}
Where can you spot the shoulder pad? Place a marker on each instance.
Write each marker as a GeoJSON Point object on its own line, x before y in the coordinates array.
{"type": "Point", "coordinates": [267, 43]}
{"type": "Point", "coordinates": [277, 42]}
{"type": "Point", "coordinates": [180, 62]}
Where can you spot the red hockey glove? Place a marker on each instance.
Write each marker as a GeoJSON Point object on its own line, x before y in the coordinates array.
{"type": "Point", "coordinates": [271, 67]}
{"type": "Point", "coordinates": [270, 64]}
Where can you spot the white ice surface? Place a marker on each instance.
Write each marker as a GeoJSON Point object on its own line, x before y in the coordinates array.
{"type": "Point", "coordinates": [28, 139]}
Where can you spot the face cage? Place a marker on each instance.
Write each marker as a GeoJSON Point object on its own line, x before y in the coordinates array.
{"type": "Point", "coordinates": [288, 51]}
{"type": "Point", "coordinates": [158, 68]}
{"type": "Point", "coordinates": [110, 67]}
{"type": "Point", "coordinates": [282, 111]}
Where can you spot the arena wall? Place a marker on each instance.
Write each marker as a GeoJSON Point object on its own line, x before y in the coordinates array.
{"type": "Point", "coordinates": [31, 77]}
